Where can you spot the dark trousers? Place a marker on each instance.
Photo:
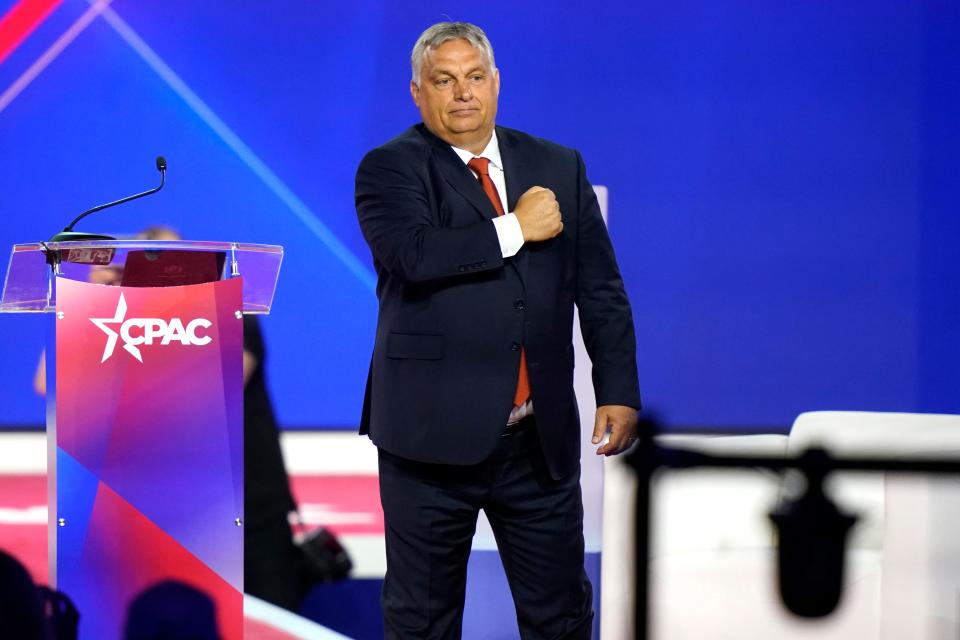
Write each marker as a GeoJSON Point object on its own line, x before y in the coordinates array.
{"type": "Point", "coordinates": [431, 515]}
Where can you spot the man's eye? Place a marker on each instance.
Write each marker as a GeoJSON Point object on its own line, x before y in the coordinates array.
{"type": "Point", "coordinates": [477, 78]}
{"type": "Point", "coordinates": [443, 82]}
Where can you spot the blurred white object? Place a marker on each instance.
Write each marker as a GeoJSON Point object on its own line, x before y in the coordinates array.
{"type": "Point", "coordinates": [918, 527]}
{"type": "Point", "coordinates": [712, 560]}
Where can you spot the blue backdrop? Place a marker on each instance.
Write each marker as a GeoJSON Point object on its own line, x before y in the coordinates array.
{"type": "Point", "coordinates": [783, 177]}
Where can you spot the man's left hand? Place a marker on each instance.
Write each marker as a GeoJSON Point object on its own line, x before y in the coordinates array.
{"type": "Point", "coordinates": [621, 422]}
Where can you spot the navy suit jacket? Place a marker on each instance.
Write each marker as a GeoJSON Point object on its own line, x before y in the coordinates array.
{"type": "Point", "coordinates": [454, 313]}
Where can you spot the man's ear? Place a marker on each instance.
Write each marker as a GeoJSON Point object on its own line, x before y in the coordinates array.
{"type": "Point", "coordinates": [415, 93]}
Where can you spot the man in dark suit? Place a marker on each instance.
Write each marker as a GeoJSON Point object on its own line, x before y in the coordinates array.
{"type": "Point", "coordinates": [483, 239]}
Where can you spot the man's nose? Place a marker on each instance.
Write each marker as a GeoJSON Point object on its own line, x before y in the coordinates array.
{"type": "Point", "coordinates": [463, 91]}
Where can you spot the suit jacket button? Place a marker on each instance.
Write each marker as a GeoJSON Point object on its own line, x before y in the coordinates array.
{"type": "Point", "coordinates": [515, 346]}
{"type": "Point", "coordinates": [519, 304]}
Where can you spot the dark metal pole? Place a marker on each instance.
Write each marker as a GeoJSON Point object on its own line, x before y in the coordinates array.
{"type": "Point", "coordinates": [642, 550]}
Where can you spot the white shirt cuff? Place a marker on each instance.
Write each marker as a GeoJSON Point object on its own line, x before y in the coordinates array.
{"type": "Point", "coordinates": [509, 234]}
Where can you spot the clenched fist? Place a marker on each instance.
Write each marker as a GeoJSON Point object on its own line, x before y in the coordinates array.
{"type": "Point", "coordinates": [538, 212]}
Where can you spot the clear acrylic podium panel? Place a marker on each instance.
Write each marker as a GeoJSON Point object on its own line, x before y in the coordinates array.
{"type": "Point", "coordinates": [145, 442]}
{"type": "Point", "coordinates": [28, 284]}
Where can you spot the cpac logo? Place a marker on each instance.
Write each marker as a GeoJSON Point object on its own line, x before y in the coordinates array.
{"type": "Point", "coordinates": [138, 331]}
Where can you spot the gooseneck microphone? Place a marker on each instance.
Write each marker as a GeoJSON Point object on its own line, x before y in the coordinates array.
{"type": "Point", "coordinates": [68, 234]}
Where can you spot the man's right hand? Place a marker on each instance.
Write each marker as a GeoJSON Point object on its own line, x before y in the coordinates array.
{"type": "Point", "coordinates": [538, 212]}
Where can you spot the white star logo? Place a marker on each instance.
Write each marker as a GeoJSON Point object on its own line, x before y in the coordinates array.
{"type": "Point", "coordinates": [117, 318]}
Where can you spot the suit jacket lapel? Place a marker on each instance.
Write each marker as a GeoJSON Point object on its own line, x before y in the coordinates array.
{"type": "Point", "coordinates": [459, 177]}
{"type": "Point", "coordinates": [519, 177]}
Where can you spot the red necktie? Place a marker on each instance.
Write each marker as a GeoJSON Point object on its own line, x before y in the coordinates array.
{"type": "Point", "coordinates": [480, 166]}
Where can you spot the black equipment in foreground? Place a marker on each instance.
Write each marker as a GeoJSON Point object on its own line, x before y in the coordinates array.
{"type": "Point", "coordinates": [812, 531]}
{"type": "Point", "coordinates": [68, 234]}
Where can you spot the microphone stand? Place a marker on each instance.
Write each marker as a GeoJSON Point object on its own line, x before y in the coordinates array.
{"type": "Point", "coordinates": [69, 235]}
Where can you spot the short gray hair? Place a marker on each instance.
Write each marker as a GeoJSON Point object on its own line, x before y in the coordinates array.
{"type": "Point", "coordinates": [444, 32]}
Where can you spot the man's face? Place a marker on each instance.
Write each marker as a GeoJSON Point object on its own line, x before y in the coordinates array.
{"type": "Point", "coordinates": [457, 95]}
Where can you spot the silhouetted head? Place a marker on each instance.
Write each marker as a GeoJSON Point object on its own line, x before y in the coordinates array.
{"type": "Point", "coordinates": [172, 610]}
{"type": "Point", "coordinates": [21, 608]}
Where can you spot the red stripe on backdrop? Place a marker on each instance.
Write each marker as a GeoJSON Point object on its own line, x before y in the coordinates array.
{"type": "Point", "coordinates": [345, 504]}
{"type": "Point", "coordinates": [20, 533]}
{"type": "Point", "coordinates": [20, 21]}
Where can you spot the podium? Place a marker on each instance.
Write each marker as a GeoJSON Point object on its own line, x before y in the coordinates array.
{"type": "Point", "coordinates": [144, 415]}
